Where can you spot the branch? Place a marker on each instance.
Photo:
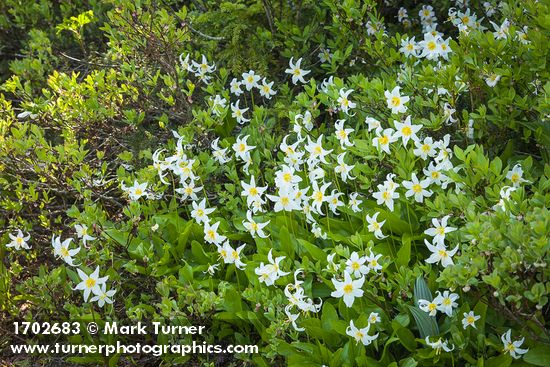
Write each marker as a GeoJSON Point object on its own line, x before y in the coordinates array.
{"type": "Point", "coordinates": [86, 62]}
{"type": "Point", "coordinates": [202, 34]}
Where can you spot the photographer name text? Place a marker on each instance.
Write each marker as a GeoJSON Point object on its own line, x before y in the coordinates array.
{"type": "Point", "coordinates": [113, 328]}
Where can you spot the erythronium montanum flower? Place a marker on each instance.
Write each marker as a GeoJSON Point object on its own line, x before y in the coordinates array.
{"type": "Point", "coordinates": [348, 289]}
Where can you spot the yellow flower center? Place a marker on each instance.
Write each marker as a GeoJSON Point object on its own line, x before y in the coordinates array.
{"type": "Point", "coordinates": [406, 131]}
{"type": "Point", "coordinates": [64, 252]}
{"type": "Point", "coordinates": [384, 140]}
{"type": "Point", "coordinates": [440, 231]}
{"type": "Point", "coordinates": [348, 288]}
{"type": "Point", "coordinates": [431, 45]}
{"type": "Point", "coordinates": [417, 188]}
{"type": "Point", "coordinates": [253, 191]}
{"type": "Point", "coordinates": [395, 101]}
{"type": "Point", "coordinates": [318, 196]}
{"type": "Point", "coordinates": [90, 283]}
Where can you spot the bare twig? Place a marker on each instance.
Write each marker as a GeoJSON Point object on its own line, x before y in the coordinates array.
{"type": "Point", "coordinates": [86, 62]}
{"type": "Point", "coordinates": [187, 24]}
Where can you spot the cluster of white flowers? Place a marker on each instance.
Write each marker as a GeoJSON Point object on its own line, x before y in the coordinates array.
{"type": "Point", "coordinates": [403, 17]}
{"type": "Point", "coordinates": [427, 17]}
{"type": "Point", "coordinates": [251, 81]}
{"type": "Point", "coordinates": [432, 47]}
{"type": "Point", "coordinates": [444, 303]}
{"type": "Point", "coordinates": [201, 70]}
{"type": "Point", "coordinates": [297, 298]}
{"type": "Point", "coordinates": [307, 174]}
{"type": "Point", "coordinates": [301, 181]}
{"type": "Point", "coordinates": [91, 284]}
{"type": "Point", "coordinates": [440, 253]}
{"type": "Point", "coordinates": [465, 21]}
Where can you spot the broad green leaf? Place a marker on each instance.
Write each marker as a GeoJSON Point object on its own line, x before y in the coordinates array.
{"type": "Point", "coordinates": [427, 326]}
{"type": "Point", "coordinates": [316, 253]}
{"type": "Point", "coordinates": [421, 291]}
{"type": "Point", "coordinates": [404, 253]}
{"type": "Point", "coordinates": [539, 356]}
{"type": "Point", "coordinates": [406, 337]}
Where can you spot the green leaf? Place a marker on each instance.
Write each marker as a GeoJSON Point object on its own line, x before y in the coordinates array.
{"type": "Point", "coordinates": [199, 255]}
{"type": "Point", "coordinates": [421, 291]}
{"type": "Point", "coordinates": [404, 253]}
{"type": "Point", "coordinates": [504, 360]}
{"type": "Point", "coordinates": [328, 316]}
{"type": "Point", "coordinates": [314, 251]}
{"type": "Point", "coordinates": [409, 362]}
{"type": "Point", "coordinates": [286, 242]}
{"type": "Point", "coordinates": [406, 337]}
{"type": "Point", "coordinates": [539, 356]}
{"type": "Point", "coordinates": [481, 310]}
{"type": "Point", "coordinates": [427, 326]}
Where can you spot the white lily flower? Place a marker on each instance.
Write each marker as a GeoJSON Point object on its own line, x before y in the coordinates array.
{"type": "Point", "coordinates": [512, 347]}
{"type": "Point", "coordinates": [19, 241]}
{"type": "Point", "coordinates": [348, 289]}
{"type": "Point", "coordinates": [61, 249]}
{"type": "Point", "coordinates": [296, 71]}
{"type": "Point", "coordinates": [375, 226]}
{"type": "Point", "coordinates": [90, 283]}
